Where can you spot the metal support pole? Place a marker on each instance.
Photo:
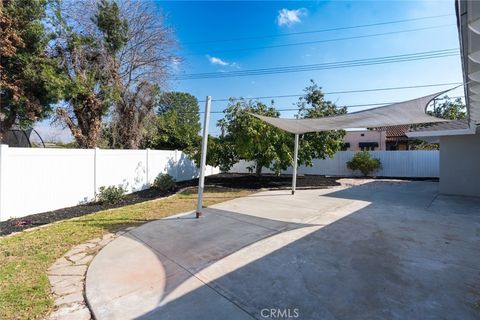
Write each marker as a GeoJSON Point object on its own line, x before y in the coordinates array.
{"type": "Point", "coordinates": [203, 161]}
{"type": "Point", "coordinates": [295, 157]}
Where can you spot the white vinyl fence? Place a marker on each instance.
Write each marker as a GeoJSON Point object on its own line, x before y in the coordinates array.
{"type": "Point", "coordinates": [396, 164]}
{"type": "Point", "coordinates": [37, 180]}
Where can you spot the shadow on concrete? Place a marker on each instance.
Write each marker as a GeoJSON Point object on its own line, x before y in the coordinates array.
{"type": "Point", "coordinates": [376, 255]}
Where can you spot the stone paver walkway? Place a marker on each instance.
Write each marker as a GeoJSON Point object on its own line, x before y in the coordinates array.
{"type": "Point", "coordinates": [67, 279]}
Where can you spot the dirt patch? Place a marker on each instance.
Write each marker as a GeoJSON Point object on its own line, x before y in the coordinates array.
{"type": "Point", "coordinates": [227, 180]}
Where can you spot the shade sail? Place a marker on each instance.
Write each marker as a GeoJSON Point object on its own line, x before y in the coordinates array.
{"type": "Point", "coordinates": [402, 113]}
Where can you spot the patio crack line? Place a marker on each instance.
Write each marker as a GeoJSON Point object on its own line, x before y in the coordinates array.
{"type": "Point", "coordinates": [237, 304]}
{"type": "Point", "coordinates": [433, 200]}
{"type": "Point", "coordinates": [254, 224]}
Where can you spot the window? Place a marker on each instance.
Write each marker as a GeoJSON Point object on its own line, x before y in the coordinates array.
{"type": "Point", "coordinates": [368, 146]}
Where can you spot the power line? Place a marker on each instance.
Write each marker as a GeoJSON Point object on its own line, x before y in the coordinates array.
{"type": "Point", "coordinates": [344, 92]}
{"type": "Point", "coordinates": [322, 41]}
{"type": "Point", "coordinates": [321, 30]}
{"type": "Point", "coordinates": [325, 66]}
{"type": "Point", "coordinates": [347, 106]}
{"type": "Point", "coordinates": [364, 105]}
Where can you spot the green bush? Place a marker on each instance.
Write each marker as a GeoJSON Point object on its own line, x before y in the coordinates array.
{"type": "Point", "coordinates": [111, 194]}
{"type": "Point", "coordinates": [164, 182]}
{"type": "Point", "coordinates": [364, 162]}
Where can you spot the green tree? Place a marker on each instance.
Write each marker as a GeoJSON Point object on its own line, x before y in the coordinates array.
{"type": "Point", "coordinates": [113, 27]}
{"type": "Point", "coordinates": [318, 145]}
{"type": "Point", "coordinates": [444, 108]}
{"type": "Point", "coordinates": [176, 125]}
{"type": "Point", "coordinates": [220, 153]}
{"type": "Point", "coordinates": [449, 109]}
{"type": "Point", "coordinates": [251, 139]}
{"type": "Point", "coordinates": [29, 80]}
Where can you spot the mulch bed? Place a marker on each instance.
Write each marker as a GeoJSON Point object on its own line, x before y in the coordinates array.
{"type": "Point", "coordinates": [226, 180]}
{"type": "Point", "coordinates": [269, 181]}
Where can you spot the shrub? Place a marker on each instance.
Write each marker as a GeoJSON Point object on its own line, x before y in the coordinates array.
{"type": "Point", "coordinates": [164, 182]}
{"type": "Point", "coordinates": [364, 162]}
{"type": "Point", "coordinates": [111, 194]}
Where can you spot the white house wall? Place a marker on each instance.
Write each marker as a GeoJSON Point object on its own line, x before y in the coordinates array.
{"type": "Point", "coordinates": [459, 165]}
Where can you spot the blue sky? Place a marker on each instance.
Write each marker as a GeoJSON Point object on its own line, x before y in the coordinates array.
{"type": "Point", "coordinates": [199, 26]}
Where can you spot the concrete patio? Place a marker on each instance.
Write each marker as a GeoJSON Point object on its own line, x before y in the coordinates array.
{"type": "Point", "coordinates": [380, 250]}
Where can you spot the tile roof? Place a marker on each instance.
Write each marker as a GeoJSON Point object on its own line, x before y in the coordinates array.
{"type": "Point", "coordinates": [395, 133]}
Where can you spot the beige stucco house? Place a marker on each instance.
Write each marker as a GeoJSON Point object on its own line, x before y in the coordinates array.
{"type": "Point", "coordinates": [360, 140]}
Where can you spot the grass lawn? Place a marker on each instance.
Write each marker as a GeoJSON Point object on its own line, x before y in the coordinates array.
{"type": "Point", "coordinates": [25, 257]}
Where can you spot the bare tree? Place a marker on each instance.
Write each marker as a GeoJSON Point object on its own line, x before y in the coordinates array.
{"type": "Point", "coordinates": [140, 68]}
{"type": "Point", "coordinates": [145, 63]}
{"type": "Point", "coordinates": [86, 52]}
{"type": "Point", "coordinates": [131, 116]}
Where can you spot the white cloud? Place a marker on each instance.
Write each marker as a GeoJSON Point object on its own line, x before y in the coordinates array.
{"type": "Point", "coordinates": [290, 17]}
{"type": "Point", "coordinates": [223, 63]}
{"type": "Point", "coordinates": [215, 60]}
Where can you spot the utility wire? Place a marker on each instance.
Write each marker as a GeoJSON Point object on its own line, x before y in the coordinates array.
{"type": "Point", "coordinates": [322, 41]}
{"type": "Point", "coordinates": [363, 105]}
{"type": "Point", "coordinates": [321, 30]}
{"type": "Point", "coordinates": [328, 64]}
{"type": "Point", "coordinates": [339, 107]}
{"type": "Point", "coordinates": [344, 92]}
{"type": "Point", "coordinates": [324, 66]}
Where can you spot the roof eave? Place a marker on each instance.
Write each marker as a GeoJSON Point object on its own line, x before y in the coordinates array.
{"type": "Point", "coordinates": [472, 129]}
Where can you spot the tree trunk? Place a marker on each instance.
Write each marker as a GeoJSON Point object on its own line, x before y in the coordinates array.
{"type": "Point", "coordinates": [258, 169]}
{"type": "Point", "coordinates": [6, 123]}
{"type": "Point", "coordinates": [88, 125]}
{"type": "Point", "coordinates": [131, 119]}
{"type": "Point", "coordinates": [126, 128]}
{"type": "Point", "coordinates": [2, 135]}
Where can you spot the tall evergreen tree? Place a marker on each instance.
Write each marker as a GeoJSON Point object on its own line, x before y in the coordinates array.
{"type": "Point", "coordinates": [29, 79]}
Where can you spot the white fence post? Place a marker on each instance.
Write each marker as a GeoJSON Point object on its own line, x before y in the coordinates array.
{"type": "Point", "coordinates": [176, 164]}
{"type": "Point", "coordinates": [3, 170]}
{"type": "Point", "coordinates": [96, 152]}
{"type": "Point", "coordinates": [146, 166]}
